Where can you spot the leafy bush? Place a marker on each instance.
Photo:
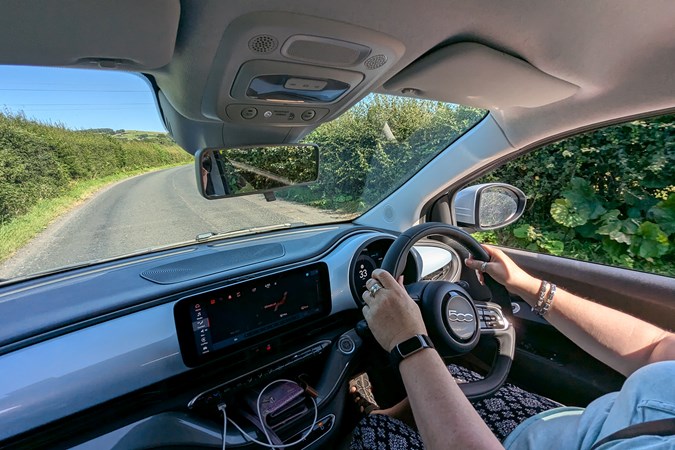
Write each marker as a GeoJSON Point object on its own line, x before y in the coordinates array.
{"type": "Point", "coordinates": [376, 146]}
{"type": "Point", "coordinates": [607, 196]}
{"type": "Point", "coordinates": [39, 161]}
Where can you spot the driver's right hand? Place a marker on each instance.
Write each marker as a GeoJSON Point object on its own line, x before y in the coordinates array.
{"type": "Point", "coordinates": [391, 314]}
{"type": "Point", "coordinates": [502, 269]}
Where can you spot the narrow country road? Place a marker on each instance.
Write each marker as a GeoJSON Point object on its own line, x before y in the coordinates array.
{"type": "Point", "coordinates": [150, 210]}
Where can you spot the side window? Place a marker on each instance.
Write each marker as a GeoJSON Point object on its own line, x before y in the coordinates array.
{"type": "Point", "coordinates": [607, 196]}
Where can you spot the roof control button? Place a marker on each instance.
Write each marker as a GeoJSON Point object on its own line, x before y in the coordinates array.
{"type": "Point", "coordinates": [308, 115]}
{"type": "Point", "coordinates": [305, 84]}
{"type": "Point", "coordinates": [249, 112]}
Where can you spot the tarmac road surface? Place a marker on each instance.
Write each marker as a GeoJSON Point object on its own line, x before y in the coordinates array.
{"type": "Point", "coordinates": [154, 209]}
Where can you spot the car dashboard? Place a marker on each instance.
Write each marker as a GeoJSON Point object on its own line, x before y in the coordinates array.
{"type": "Point", "coordinates": [109, 354]}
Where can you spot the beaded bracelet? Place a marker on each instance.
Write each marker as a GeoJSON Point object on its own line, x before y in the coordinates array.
{"type": "Point", "coordinates": [541, 296]}
{"type": "Point", "coordinates": [544, 305]}
{"type": "Point", "coordinates": [549, 301]}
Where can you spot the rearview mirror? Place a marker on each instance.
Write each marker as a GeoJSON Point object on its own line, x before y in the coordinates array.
{"type": "Point", "coordinates": [488, 206]}
{"type": "Point", "coordinates": [253, 170]}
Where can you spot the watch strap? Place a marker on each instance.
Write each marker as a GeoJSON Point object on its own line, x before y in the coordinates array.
{"type": "Point", "coordinates": [409, 347]}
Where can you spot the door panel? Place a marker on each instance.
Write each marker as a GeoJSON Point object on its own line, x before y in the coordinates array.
{"type": "Point", "coordinates": [546, 361]}
{"type": "Point", "coordinates": [606, 196]}
{"type": "Point", "coordinates": [644, 295]}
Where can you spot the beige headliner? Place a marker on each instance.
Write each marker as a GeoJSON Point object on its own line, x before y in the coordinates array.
{"type": "Point", "coordinates": [620, 53]}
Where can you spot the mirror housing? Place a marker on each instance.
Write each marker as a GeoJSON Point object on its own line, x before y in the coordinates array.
{"type": "Point", "coordinates": [238, 171]}
{"type": "Point", "coordinates": [488, 206]}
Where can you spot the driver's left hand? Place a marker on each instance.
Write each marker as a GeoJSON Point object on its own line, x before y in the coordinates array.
{"type": "Point", "coordinates": [391, 314]}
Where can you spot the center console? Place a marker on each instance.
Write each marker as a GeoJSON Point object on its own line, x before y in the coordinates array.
{"type": "Point", "coordinates": [260, 331]}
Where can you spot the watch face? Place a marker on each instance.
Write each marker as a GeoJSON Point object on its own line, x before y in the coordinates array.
{"type": "Point", "coordinates": [409, 346]}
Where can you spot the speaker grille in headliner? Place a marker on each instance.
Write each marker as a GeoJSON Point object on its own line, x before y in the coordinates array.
{"type": "Point", "coordinates": [263, 43]}
{"type": "Point", "coordinates": [221, 261]}
{"type": "Point", "coordinates": [375, 62]}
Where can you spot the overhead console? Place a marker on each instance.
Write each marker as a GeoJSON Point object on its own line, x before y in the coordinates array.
{"type": "Point", "coordinates": [287, 93]}
{"type": "Point", "coordinates": [273, 75]}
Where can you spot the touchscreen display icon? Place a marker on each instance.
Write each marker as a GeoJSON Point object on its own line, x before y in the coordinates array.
{"type": "Point", "coordinates": [200, 328]}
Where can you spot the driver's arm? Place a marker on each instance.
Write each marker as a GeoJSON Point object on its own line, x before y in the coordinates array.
{"type": "Point", "coordinates": [621, 341]}
{"type": "Point", "coordinates": [442, 412]}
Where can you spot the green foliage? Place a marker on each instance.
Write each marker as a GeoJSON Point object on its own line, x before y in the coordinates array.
{"type": "Point", "coordinates": [606, 196]}
{"type": "Point", "coordinates": [579, 204]}
{"type": "Point", "coordinates": [376, 146]}
{"type": "Point", "coordinates": [39, 161]}
{"type": "Point", "coordinates": [486, 237]}
{"type": "Point", "coordinates": [141, 136]}
{"type": "Point", "coordinates": [540, 240]}
{"type": "Point", "coordinates": [297, 164]}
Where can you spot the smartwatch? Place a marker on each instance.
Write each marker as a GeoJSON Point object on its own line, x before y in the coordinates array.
{"type": "Point", "coordinates": [409, 347]}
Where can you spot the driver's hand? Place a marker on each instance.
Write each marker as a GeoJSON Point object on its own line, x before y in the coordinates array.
{"type": "Point", "coordinates": [501, 268]}
{"type": "Point", "coordinates": [391, 314]}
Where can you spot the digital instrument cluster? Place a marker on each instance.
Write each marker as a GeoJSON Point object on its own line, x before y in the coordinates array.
{"type": "Point", "coordinates": [369, 257]}
{"type": "Point", "coordinates": [223, 320]}
{"type": "Point", "coordinates": [368, 260]}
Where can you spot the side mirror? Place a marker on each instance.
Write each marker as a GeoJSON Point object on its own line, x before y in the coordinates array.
{"type": "Point", "coordinates": [253, 170]}
{"type": "Point", "coordinates": [488, 206]}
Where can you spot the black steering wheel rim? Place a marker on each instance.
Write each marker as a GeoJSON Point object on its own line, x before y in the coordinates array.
{"type": "Point", "coordinates": [395, 259]}
{"type": "Point", "coordinates": [394, 263]}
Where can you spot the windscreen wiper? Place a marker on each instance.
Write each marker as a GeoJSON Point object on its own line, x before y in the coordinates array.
{"type": "Point", "coordinates": [244, 231]}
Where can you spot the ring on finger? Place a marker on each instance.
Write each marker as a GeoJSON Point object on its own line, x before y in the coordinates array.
{"type": "Point", "coordinates": [374, 288]}
{"type": "Point", "coordinates": [483, 267]}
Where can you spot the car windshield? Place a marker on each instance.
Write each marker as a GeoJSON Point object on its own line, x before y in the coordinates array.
{"type": "Point", "coordinates": [88, 172]}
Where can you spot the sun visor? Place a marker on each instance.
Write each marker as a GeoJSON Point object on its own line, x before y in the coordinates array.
{"type": "Point", "coordinates": [475, 75]}
{"type": "Point", "coordinates": [125, 34]}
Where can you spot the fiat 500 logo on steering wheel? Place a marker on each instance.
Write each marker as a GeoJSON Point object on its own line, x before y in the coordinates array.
{"type": "Point", "coordinates": [454, 316]}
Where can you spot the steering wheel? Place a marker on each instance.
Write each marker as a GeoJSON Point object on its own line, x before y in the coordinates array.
{"type": "Point", "coordinates": [454, 320]}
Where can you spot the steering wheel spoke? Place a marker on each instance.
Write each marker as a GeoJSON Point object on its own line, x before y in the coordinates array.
{"type": "Point", "coordinates": [416, 290]}
{"type": "Point", "coordinates": [491, 319]}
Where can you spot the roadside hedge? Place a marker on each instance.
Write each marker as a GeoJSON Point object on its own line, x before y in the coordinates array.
{"type": "Point", "coordinates": [376, 145]}
{"type": "Point", "coordinates": [39, 161]}
{"type": "Point", "coordinates": [606, 196]}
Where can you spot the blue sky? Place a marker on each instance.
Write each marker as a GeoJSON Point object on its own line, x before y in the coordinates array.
{"type": "Point", "coordinates": [78, 98]}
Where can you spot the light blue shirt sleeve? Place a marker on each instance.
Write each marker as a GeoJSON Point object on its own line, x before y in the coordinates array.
{"type": "Point", "coordinates": [647, 395]}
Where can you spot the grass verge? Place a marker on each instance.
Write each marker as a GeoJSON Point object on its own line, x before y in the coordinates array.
{"type": "Point", "coordinates": [19, 231]}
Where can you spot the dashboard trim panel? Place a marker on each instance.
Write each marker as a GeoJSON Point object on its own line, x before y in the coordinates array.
{"type": "Point", "coordinates": [120, 355]}
{"type": "Point", "coordinates": [67, 312]}
{"type": "Point", "coordinates": [117, 352]}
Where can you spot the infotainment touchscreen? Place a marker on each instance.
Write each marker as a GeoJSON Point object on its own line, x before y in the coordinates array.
{"type": "Point", "coordinates": [214, 322]}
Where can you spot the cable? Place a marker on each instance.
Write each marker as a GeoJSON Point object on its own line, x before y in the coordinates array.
{"type": "Point", "coordinates": [222, 407]}
{"type": "Point", "coordinates": [269, 444]}
{"type": "Point", "coordinates": [302, 438]}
